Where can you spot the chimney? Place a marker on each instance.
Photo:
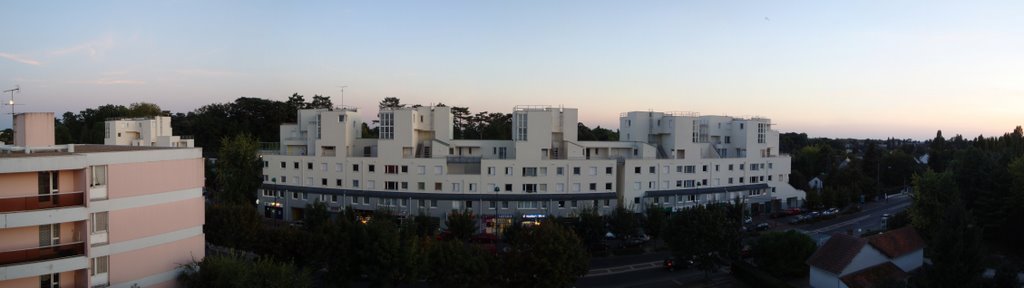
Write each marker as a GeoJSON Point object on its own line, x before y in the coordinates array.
{"type": "Point", "coordinates": [34, 129]}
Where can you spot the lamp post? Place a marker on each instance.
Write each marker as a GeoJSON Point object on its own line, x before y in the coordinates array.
{"type": "Point", "coordinates": [495, 219]}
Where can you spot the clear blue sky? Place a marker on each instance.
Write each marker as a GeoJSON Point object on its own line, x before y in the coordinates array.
{"type": "Point", "coordinates": [829, 68]}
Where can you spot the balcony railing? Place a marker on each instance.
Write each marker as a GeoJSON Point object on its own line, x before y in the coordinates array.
{"type": "Point", "coordinates": [42, 253]}
{"type": "Point", "coordinates": [37, 202]}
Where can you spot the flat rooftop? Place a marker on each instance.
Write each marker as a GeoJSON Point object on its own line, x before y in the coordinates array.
{"type": "Point", "coordinates": [81, 149]}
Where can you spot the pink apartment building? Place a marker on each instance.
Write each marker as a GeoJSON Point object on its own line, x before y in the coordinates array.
{"type": "Point", "coordinates": [96, 215]}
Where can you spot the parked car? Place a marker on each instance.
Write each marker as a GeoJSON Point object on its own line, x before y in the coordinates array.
{"type": "Point", "coordinates": [792, 211]}
{"type": "Point", "coordinates": [671, 264]}
{"type": "Point", "coordinates": [747, 220]}
{"type": "Point", "coordinates": [831, 211]}
{"type": "Point", "coordinates": [797, 219]}
{"type": "Point", "coordinates": [762, 226]}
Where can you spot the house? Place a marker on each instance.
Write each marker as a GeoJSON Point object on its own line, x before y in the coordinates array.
{"type": "Point", "coordinates": [816, 183]}
{"type": "Point", "coordinates": [847, 261]}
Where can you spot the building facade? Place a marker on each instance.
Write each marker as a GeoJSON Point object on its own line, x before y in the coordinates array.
{"type": "Point", "coordinates": [150, 131]}
{"type": "Point", "coordinates": [97, 215]}
{"type": "Point", "coordinates": [670, 160]}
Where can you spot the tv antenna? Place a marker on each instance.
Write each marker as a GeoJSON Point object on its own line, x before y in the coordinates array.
{"type": "Point", "coordinates": [17, 88]}
{"type": "Point", "coordinates": [342, 96]}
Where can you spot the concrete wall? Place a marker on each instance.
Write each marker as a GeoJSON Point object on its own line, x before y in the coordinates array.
{"type": "Point", "coordinates": [134, 179]}
{"type": "Point", "coordinates": [34, 129]}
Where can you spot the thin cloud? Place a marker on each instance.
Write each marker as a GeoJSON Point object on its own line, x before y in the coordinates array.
{"type": "Point", "coordinates": [92, 48]}
{"type": "Point", "coordinates": [19, 59]}
{"type": "Point", "coordinates": [206, 73]}
{"type": "Point", "coordinates": [107, 81]}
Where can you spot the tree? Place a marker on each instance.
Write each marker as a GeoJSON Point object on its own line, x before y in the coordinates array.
{"type": "Point", "coordinates": [7, 136]}
{"type": "Point", "coordinates": [461, 225]}
{"type": "Point", "coordinates": [391, 102]}
{"type": "Point", "coordinates": [955, 250]}
{"type": "Point", "coordinates": [321, 102]}
{"type": "Point", "coordinates": [296, 102]}
{"type": "Point", "coordinates": [239, 170]}
{"type": "Point", "coordinates": [654, 221]}
{"type": "Point", "coordinates": [458, 264]}
{"type": "Point", "coordinates": [236, 271]}
{"type": "Point", "coordinates": [143, 109]}
{"type": "Point", "coordinates": [703, 232]}
{"type": "Point", "coordinates": [938, 154]}
{"type": "Point", "coordinates": [933, 192]}
{"type": "Point", "coordinates": [583, 133]}
{"type": "Point", "coordinates": [546, 255]}
{"type": "Point", "coordinates": [316, 218]}
{"type": "Point", "coordinates": [231, 225]}
{"type": "Point", "coordinates": [590, 226]}
{"type": "Point", "coordinates": [623, 222]}
{"type": "Point", "coordinates": [783, 254]}
{"type": "Point", "coordinates": [426, 226]}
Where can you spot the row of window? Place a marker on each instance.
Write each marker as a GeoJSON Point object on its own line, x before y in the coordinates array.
{"type": "Point", "coordinates": [703, 182]}
{"type": "Point", "coordinates": [543, 171]}
{"type": "Point", "coordinates": [404, 202]}
{"type": "Point", "coordinates": [712, 198]}
{"type": "Point", "coordinates": [690, 169]}
{"type": "Point", "coordinates": [438, 186]}
{"type": "Point", "coordinates": [372, 168]}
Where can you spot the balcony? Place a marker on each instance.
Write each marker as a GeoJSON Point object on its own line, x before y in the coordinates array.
{"type": "Point", "coordinates": [42, 253]}
{"type": "Point", "coordinates": [39, 202]}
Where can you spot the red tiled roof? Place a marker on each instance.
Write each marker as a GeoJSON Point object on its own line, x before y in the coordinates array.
{"type": "Point", "coordinates": [874, 275]}
{"type": "Point", "coordinates": [897, 242]}
{"type": "Point", "coordinates": [836, 253]}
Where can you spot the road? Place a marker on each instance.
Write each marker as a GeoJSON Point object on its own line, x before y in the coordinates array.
{"type": "Point", "coordinates": [645, 270]}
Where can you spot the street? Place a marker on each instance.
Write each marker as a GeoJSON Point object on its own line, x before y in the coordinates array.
{"type": "Point", "coordinates": [646, 271]}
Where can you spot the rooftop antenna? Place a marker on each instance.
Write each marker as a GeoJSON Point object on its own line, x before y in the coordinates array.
{"type": "Point", "coordinates": [342, 96]}
{"type": "Point", "coordinates": [17, 88]}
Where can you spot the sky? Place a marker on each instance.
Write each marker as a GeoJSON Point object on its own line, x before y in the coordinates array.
{"type": "Point", "coordinates": [858, 69]}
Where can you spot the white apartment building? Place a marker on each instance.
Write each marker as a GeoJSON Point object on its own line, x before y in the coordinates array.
{"type": "Point", "coordinates": [671, 160]}
{"type": "Point", "coordinates": [153, 131]}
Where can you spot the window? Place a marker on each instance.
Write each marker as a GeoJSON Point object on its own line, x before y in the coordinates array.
{"type": "Point", "coordinates": [456, 187]}
{"type": "Point", "coordinates": [387, 125]}
{"type": "Point", "coordinates": [438, 170]}
{"type": "Point", "coordinates": [338, 182]}
{"type": "Point", "coordinates": [593, 171]}
{"type": "Point", "coordinates": [608, 186]}
{"type": "Point", "coordinates": [99, 265]}
{"type": "Point", "coordinates": [607, 203]}
{"type": "Point", "coordinates": [438, 186]}
{"type": "Point", "coordinates": [560, 187]}
{"type": "Point", "coordinates": [741, 166]}
{"type": "Point", "coordinates": [504, 204]}
{"type": "Point", "coordinates": [730, 180]}
{"type": "Point", "coordinates": [284, 164]}
{"type": "Point", "coordinates": [323, 166]}
{"type": "Point", "coordinates": [355, 167]}
{"type": "Point", "coordinates": [99, 222]}
{"type": "Point", "coordinates": [530, 188]}
{"type": "Point", "coordinates": [309, 181]}
{"type": "Point", "coordinates": [636, 170]}
{"type": "Point", "coordinates": [689, 183]}
{"type": "Point", "coordinates": [561, 203]}
{"type": "Point", "coordinates": [529, 171]}
{"type": "Point", "coordinates": [560, 171]}
{"type": "Point", "coordinates": [309, 166]}
{"type": "Point", "coordinates": [508, 187]}
{"type": "Point", "coordinates": [575, 187]}
{"type": "Point", "coordinates": [338, 167]}
{"type": "Point", "coordinates": [508, 171]}
{"type": "Point", "coordinates": [334, 198]}
{"type": "Point", "coordinates": [636, 186]}
{"type": "Point", "coordinates": [730, 167]}
{"type": "Point", "coordinates": [543, 187]}
{"type": "Point", "coordinates": [391, 185]}
{"type": "Point", "coordinates": [296, 165]}
{"type": "Point", "coordinates": [390, 169]}
{"type": "Point", "coordinates": [50, 280]}
{"type": "Point", "coordinates": [421, 170]}
{"type": "Point", "coordinates": [490, 170]}
{"type": "Point", "coordinates": [652, 169]}
{"type": "Point", "coordinates": [472, 187]}
{"type": "Point", "coordinates": [575, 170]}
{"type": "Point", "coordinates": [469, 204]}
{"type": "Point", "coordinates": [433, 203]}
{"type": "Point", "coordinates": [521, 121]}
{"type": "Point", "coordinates": [355, 183]}
{"type": "Point", "coordinates": [679, 183]}
{"type": "Point", "coordinates": [99, 176]}
{"type": "Point", "coordinates": [704, 168]}
{"type": "Point", "coordinates": [689, 169]}
{"type": "Point", "coordinates": [323, 181]}
{"type": "Point", "coordinates": [366, 200]}
{"type": "Point", "coordinates": [593, 186]}
{"type": "Point", "coordinates": [405, 169]}
{"type": "Point", "coordinates": [543, 171]}
{"type": "Point", "coordinates": [608, 170]}
{"type": "Point", "coordinates": [284, 179]}
{"type": "Point", "coordinates": [371, 168]}
{"type": "Point", "coordinates": [421, 186]}
{"type": "Point", "coordinates": [691, 198]}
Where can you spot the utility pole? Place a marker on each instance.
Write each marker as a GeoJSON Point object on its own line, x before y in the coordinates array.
{"type": "Point", "coordinates": [342, 96]}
